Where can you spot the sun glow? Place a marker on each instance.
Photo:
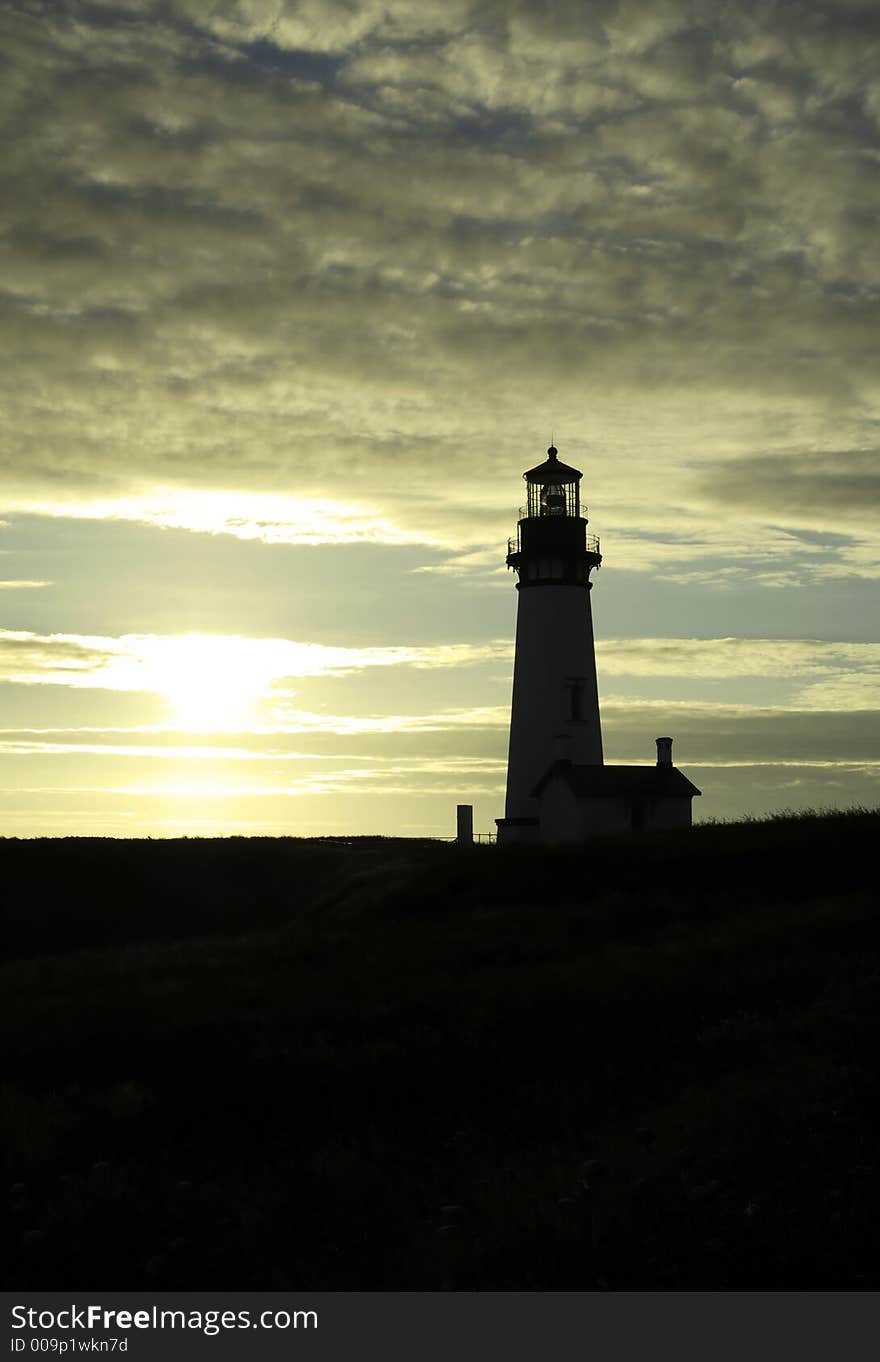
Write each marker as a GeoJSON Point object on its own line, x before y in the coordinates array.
{"type": "Point", "coordinates": [267, 517]}
{"type": "Point", "coordinates": [211, 684]}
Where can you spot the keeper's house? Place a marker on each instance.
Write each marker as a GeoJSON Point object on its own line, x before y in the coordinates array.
{"type": "Point", "coordinates": [576, 802]}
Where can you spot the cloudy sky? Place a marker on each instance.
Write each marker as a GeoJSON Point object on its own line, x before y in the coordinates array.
{"type": "Point", "coordinates": [291, 293]}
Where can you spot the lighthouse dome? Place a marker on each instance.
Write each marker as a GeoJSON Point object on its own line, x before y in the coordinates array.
{"type": "Point", "coordinates": [552, 470]}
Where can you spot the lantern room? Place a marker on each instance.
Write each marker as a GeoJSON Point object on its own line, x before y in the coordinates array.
{"type": "Point", "coordinates": [553, 488]}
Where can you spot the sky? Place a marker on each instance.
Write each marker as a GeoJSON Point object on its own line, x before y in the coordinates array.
{"type": "Point", "coordinates": [291, 294]}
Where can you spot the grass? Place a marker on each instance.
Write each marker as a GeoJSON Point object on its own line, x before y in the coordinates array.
{"type": "Point", "coordinates": [381, 1064]}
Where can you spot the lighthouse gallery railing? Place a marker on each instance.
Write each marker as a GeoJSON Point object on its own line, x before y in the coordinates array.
{"type": "Point", "coordinates": [591, 543]}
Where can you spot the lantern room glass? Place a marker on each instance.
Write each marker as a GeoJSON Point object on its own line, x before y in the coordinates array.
{"type": "Point", "coordinates": [553, 499]}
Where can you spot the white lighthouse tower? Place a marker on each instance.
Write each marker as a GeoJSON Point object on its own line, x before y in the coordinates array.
{"type": "Point", "coordinates": [555, 709]}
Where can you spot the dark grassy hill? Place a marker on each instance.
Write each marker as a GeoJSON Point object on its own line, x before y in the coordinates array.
{"type": "Point", "coordinates": [393, 1064]}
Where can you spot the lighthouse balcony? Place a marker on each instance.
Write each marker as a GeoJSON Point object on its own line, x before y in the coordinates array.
{"type": "Point", "coordinates": [590, 544]}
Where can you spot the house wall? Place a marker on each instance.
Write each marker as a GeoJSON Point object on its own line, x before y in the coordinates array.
{"type": "Point", "coordinates": [602, 816]}
{"type": "Point", "coordinates": [565, 818]}
{"type": "Point", "coordinates": [671, 813]}
{"type": "Point", "coordinates": [615, 814]}
{"type": "Point", "coordinates": [560, 820]}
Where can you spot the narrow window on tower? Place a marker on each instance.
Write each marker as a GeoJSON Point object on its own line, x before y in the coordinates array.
{"type": "Point", "coordinates": [576, 699]}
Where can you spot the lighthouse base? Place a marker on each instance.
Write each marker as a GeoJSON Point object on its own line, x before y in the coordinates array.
{"type": "Point", "coordinates": [518, 832]}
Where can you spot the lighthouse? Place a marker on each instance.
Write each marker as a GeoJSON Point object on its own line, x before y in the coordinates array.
{"type": "Point", "coordinates": [555, 706]}
{"type": "Point", "coordinates": [558, 788]}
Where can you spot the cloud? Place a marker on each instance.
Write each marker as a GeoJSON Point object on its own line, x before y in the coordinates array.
{"type": "Point", "coordinates": [722, 735]}
{"type": "Point", "coordinates": [803, 487]}
{"type": "Point", "coordinates": [322, 273]}
{"type": "Point", "coordinates": [146, 662]}
{"type": "Point", "coordinates": [368, 254]}
{"type": "Point", "coordinates": [486, 717]}
{"type": "Point", "coordinates": [745, 759]}
{"type": "Point", "coordinates": [269, 518]}
{"type": "Point", "coordinates": [840, 674]}
{"type": "Point", "coordinates": [737, 657]}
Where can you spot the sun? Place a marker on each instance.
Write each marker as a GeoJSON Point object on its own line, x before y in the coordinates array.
{"type": "Point", "coordinates": [211, 684]}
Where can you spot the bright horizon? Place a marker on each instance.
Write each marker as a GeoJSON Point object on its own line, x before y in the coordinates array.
{"type": "Point", "coordinates": [293, 294]}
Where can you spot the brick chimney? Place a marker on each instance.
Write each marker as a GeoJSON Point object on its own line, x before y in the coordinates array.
{"type": "Point", "coordinates": [664, 751]}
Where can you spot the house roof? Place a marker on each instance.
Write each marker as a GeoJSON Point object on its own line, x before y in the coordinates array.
{"type": "Point", "coordinates": [592, 782]}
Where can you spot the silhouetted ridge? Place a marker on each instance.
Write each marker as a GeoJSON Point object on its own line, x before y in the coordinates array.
{"type": "Point", "coordinates": [392, 1064]}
